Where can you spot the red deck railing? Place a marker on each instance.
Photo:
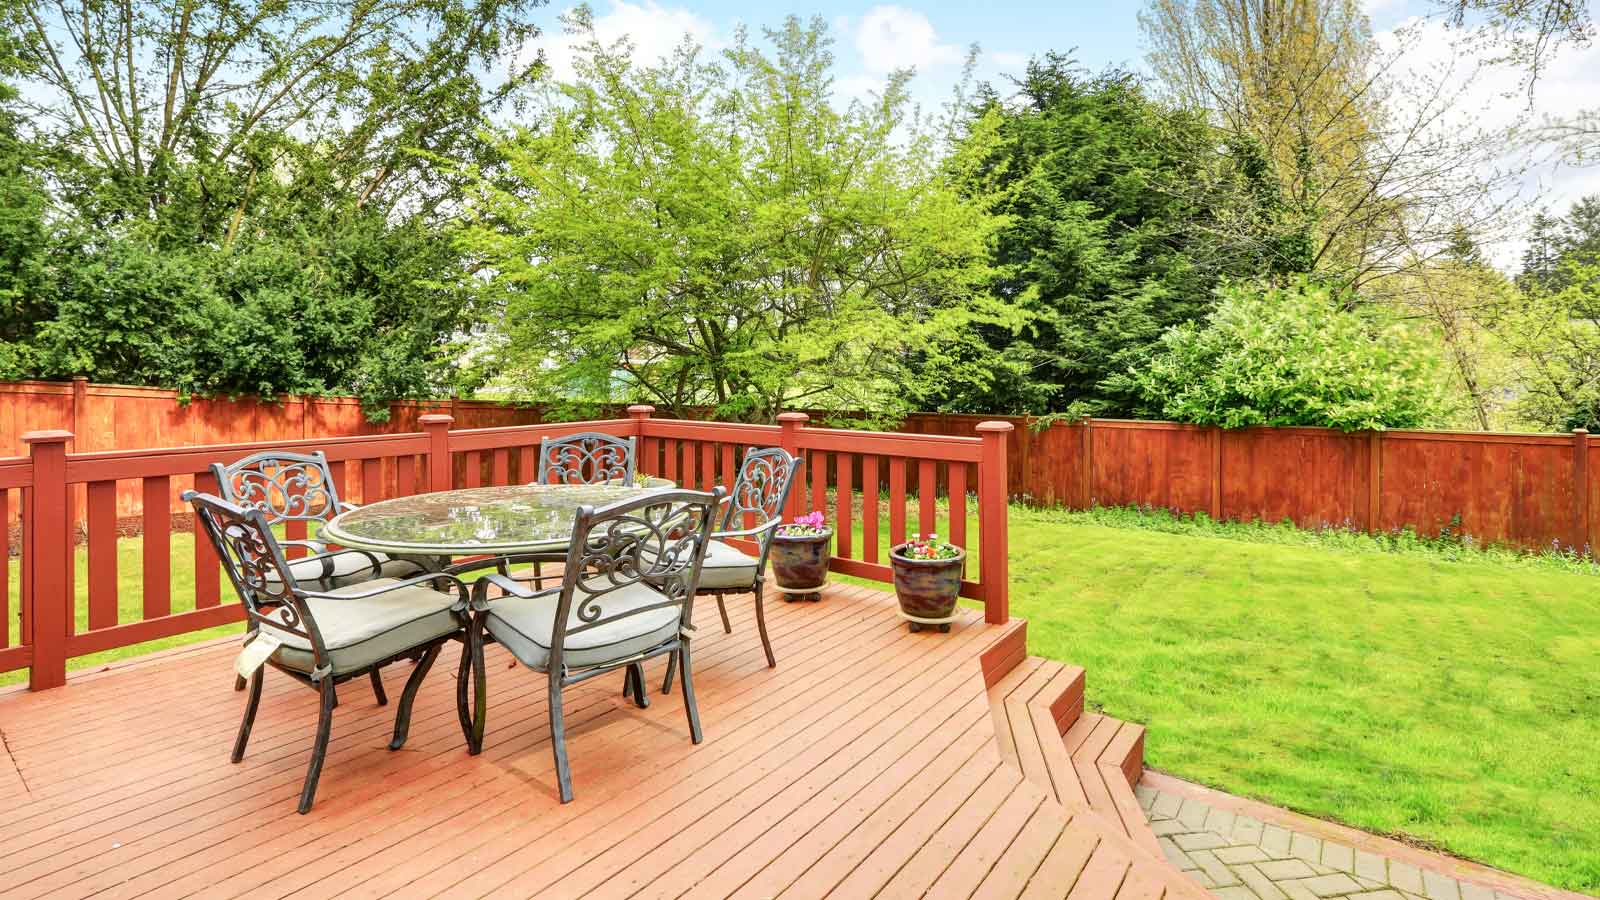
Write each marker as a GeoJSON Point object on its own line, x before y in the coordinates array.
{"type": "Point", "coordinates": [49, 484]}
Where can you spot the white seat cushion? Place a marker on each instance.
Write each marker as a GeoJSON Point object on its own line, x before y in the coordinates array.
{"type": "Point", "coordinates": [525, 626]}
{"type": "Point", "coordinates": [348, 568]}
{"type": "Point", "coordinates": [360, 632]}
{"type": "Point", "coordinates": [727, 569]}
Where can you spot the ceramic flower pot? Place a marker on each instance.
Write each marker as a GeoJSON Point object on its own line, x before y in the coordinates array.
{"type": "Point", "coordinates": [926, 588]}
{"type": "Point", "coordinates": [800, 564]}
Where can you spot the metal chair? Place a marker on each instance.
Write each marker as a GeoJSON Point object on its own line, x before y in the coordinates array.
{"type": "Point", "coordinates": [759, 492]}
{"type": "Point", "coordinates": [626, 595]}
{"type": "Point", "coordinates": [324, 638]}
{"type": "Point", "coordinates": [289, 487]}
{"type": "Point", "coordinates": [588, 457]}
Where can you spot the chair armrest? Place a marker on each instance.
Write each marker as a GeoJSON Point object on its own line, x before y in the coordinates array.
{"type": "Point", "coordinates": [317, 547]}
{"type": "Point", "coordinates": [759, 530]}
{"type": "Point", "coordinates": [460, 586]}
{"type": "Point", "coordinates": [512, 587]}
{"type": "Point", "coordinates": [345, 506]}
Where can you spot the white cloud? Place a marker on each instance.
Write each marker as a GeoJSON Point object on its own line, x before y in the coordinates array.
{"type": "Point", "coordinates": [653, 29]}
{"type": "Point", "coordinates": [894, 37]}
{"type": "Point", "coordinates": [1008, 60]}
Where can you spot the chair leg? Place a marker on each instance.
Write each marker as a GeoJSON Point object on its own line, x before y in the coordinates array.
{"type": "Point", "coordinates": [761, 626]}
{"type": "Point", "coordinates": [377, 688]}
{"type": "Point", "coordinates": [558, 740]}
{"type": "Point", "coordinates": [402, 719]}
{"type": "Point", "coordinates": [238, 682]}
{"type": "Point", "coordinates": [633, 686]}
{"type": "Point", "coordinates": [672, 665]}
{"type": "Point", "coordinates": [463, 678]}
{"type": "Point", "coordinates": [250, 706]}
{"type": "Point", "coordinates": [480, 688]}
{"type": "Point", "coordinates": [727, 627]}
{"type": "Point", "coordinates": [319, 750]}
{"type": "Point", "coordinates": [688, 694]}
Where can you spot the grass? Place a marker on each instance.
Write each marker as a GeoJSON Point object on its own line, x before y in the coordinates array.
{"type": "Point", "coordinates": [1412, 687]}
{"type": "Point", "coordinates": [130, 601]}
{"type": "Point", "coordinates": [1400, 686]}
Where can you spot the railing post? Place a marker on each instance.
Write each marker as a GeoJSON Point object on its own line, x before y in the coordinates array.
{"type": "Point", "coordinates": [645, 446]}
{"type": "Point", "coordinates": [993, 569]}
{"type": "Point", "coordinates": [48, 526]}
{"type": "Point", "coordinates": [789, 439]}
{"type": "Point", "coordinates": [440, 473]}
{"type": "Point", "coordinates": [1580, 488]}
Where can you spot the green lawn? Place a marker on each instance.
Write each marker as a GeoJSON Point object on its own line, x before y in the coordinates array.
{"type": "Point", "coordinates": [1452, 701]}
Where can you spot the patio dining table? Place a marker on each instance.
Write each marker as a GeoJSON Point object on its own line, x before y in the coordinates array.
{"type": "Point", "coordinates": [488, 521]}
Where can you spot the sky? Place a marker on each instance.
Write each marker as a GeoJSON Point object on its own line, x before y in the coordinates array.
{"type": "Point", "coordinates": [933, 36]}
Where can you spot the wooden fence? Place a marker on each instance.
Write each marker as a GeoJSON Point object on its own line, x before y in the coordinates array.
{"type": "Point", "coordinates": [1521, 490]}
{"type": "Point", "coordinates": [914, 469]}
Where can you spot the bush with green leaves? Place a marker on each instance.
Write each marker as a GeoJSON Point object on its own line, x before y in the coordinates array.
{"type": "Point", "coordinates": [1291, 355]}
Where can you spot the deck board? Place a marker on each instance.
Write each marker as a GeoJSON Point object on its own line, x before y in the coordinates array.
{"type": "Point", "coordinates": [867, 764]}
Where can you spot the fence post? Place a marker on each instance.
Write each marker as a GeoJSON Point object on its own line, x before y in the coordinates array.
{"type": "Point", "coordinates": [789, 439]}
{"type": "Point", "coordinates": [48, 527]}
{"type": "Point", "coordinates": [993, 571]}
{"type": "Point", "coordinates": [1580, 488]}
{"type": "Point", "coordinates": [440, 472]}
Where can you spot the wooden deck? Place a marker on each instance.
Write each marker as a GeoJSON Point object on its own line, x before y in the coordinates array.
{"type": "Point", "coordinates": [871, 762]}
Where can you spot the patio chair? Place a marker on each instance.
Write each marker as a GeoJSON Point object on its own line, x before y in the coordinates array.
{"type": "Point", "coordinates": [759, 492]}
{"type": "Point", "coordinates": [626, 596]}
{"type": "Point", "coordinates": [588, 457]}
{"type": "Point", "coordinates": [324, 638]}
{"type": "Point", "coordinates": [288, 487]}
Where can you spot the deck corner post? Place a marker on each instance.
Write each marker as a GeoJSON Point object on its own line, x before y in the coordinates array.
{"type": "Point", "coordinates": [792, 423]}
{"type": "Point", "coordinates": [640, 414]}
{"type": "Point", "coordinates": [993, 572]}
{"type": "Point", "coordinates": [47, 526]}
{"type": "Point", "coordinates": [437, 427]}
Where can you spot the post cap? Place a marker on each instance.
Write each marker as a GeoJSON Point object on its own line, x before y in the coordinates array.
{"type": "Point", "coordinates": [53, 436]}
{"type": "Point", "coordinates": [1000, 427]}
{"type": "Point", "coordinates": [1580, 431]}
{"type": "Point", "coordinates": [641, 409]}
{"type": "Point", "coordinates": [436, 419]}
{"type": "Point", "coordinates": [793, 417]}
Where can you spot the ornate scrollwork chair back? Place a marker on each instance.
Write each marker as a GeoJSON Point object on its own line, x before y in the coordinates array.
{"type": "Point", "coordinates": [283, 485]}
{"type": "Point", "coordinates": [257, 568]}
{"type": "Point", "coordinates": [588, 457]}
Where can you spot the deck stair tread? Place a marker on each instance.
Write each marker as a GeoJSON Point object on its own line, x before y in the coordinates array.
{"type": "Point", "coordinates": [1087, 761]}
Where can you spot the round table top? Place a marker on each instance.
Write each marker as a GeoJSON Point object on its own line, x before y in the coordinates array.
{"type": "Point", "coordinates": [525, 518]}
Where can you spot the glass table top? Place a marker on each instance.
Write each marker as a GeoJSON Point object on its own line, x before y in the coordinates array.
{"type": "Point", "coordinates": [518, 518]}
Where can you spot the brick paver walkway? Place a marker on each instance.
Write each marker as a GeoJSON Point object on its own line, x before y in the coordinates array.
{"type": "Point", "coordinates": [1240, 857]}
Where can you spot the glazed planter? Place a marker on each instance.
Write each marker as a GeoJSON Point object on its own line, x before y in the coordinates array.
{"type": "Point", "coordinates": [926, 588]}
{"type": "Point", "coordinates": [800, 564]}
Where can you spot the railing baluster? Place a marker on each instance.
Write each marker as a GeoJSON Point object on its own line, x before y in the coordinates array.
{"type": "Point", "coordinates": [897, 500]}
{"type": "Point", "coordinates": [5, 567]}
{"type": "Point", "coordinates": [869, 508]}
{"type": "Point", "coordinates": [405, 475]}
{"type": "Point", "coordinates": [843, 471]}
{"type": "Point", "coordinates": [102, 523]}
{"type": "Point", "coordinates": [157, 548]}
{"type": "Point", "coordinates": [670, 448]}
{"type": "Point", "coordinates": [473, 476]}
{"type": "Point", "coordinates": [927, 496]}
{"type": "Point", "coordinates": [501, 467]}
{"type": "Point", "coordinates": [708, 465]}
{"type": "Point", "coordinates": [207, 568]}
{"type": "Point", "coordinates": [371, 480]}
{"type": "Point", "coordinates": [819, 480]}
{"type": "Point", "coordinates": [729, 473]}
{"type": "Point", "coordinates": [958, 504]}
{"type": "Point", "coordinates": [688, 465]}
{"type": "Point", "coordinates": [527, 458]}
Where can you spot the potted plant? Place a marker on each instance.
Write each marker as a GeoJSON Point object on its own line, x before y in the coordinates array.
{"type": "Point", "coordinates": [927, 580]}
{"type": "Point", "coordinates": [801, 551]}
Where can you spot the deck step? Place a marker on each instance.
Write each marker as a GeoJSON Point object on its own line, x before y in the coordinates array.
{"type": "Point", "coordinates": [1085, 761]}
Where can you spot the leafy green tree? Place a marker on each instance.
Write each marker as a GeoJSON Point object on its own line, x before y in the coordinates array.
{"type": "Point", "coordinates": [1291, 355]}
{"type": "Point", "coordinates": [1553, 334]}
{"type": "Point", "coordinates": [1117, 209]}
{"type": "Point", "coordinates": [252, 197]}
{"type": "Point", "coordinates": [721, 232]}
